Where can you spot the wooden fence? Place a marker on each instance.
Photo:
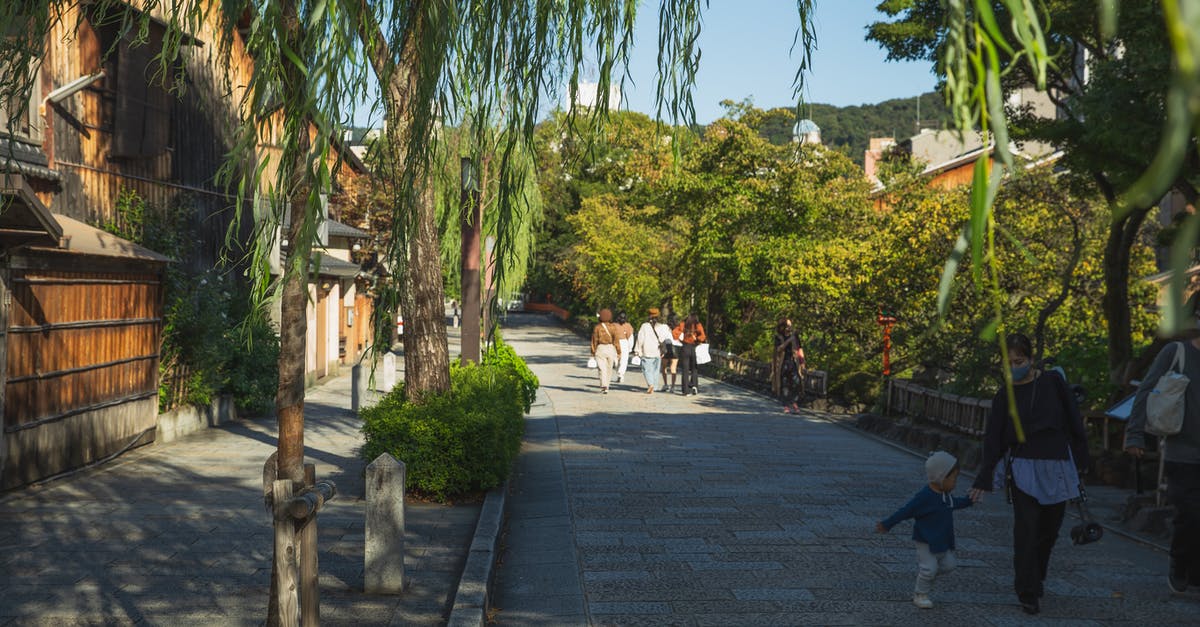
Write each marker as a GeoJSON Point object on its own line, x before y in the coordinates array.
{"type": "Point", "coordinates": [960, 413]}
{"type": "Point", "coordinates": [757, 374]}
{"type": "Point", "coordinates": [173, 388]}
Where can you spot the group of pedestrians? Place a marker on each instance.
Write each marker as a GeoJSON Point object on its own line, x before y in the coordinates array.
{"type": "Point", "coordinates": [1034, 446]}
{"type": "Point", "coordinates": [661, 348]}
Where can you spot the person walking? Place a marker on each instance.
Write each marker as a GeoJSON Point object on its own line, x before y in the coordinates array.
{"type": "Point", "coordinates": [690, 333]}
{"type": "Point", "coordinates": [650, 339]}
{"type": "Point", "coordinates": [625, 338]}
{"type": "Point", "coordinates": [787, 367]}
{"type": "Point", "coordinates": [605, 347]}
{"type": "Point", "coordinates": [1040, 472]}
{"type": "Point", "coordinates": [932, 509]}
{"type": "Point", "coordinates": [1181, 456]}
{"type": "Point", "coordinates": [670, 354]}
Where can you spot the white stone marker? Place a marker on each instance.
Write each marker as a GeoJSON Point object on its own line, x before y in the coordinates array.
{"type": "Point", "coordinates": [389, 372]}
{"type": "Point", "coordinates": [383, 571]}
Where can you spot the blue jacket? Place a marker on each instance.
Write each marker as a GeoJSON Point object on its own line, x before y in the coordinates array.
{"type": "Point", "coordinates": [934, 514]}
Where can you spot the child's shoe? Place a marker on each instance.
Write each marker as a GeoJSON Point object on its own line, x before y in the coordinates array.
{"type": "Point", "coordinates": [922, 601]}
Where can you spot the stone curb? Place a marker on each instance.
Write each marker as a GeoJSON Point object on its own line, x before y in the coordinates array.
{"type": "Point", "coordinates": [473, 595]}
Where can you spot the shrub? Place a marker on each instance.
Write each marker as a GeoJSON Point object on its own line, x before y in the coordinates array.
{"type": "Point", "coordinates": [862, 387]}
{"type": "Point", "coordinates": [461, 441]}
{"type": "Point", "coordinates": [252, 372]}
{"type": "Point", "coordinates": [502, 355]}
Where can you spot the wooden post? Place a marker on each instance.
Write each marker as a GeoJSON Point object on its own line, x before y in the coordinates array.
{"type": "Point", "coordinates": [285, 555]}
{"type": "Point", "coordinates": [310, 599]}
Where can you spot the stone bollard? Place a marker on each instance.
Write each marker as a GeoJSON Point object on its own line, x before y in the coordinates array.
{"type": "Point", "coordinates": [383, 571]}
{"type": "Point", "coordinates": [358, 387]}
{"type": "Point", "coordinates": [388, 380]}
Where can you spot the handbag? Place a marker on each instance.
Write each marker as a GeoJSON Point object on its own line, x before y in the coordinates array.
{"type": "Point", "coordinates": [592, 363]}
{"type": "Point", "coordinates": [1088, 530]}
{"type": "Point", "coordinates": [635, 361]}
{"type": "Point", "coordinates": [702, 354]}
{"type": "Point", "coordinates": [1164, 406]}
{"type": "Point", "coordinates": [665, 347]}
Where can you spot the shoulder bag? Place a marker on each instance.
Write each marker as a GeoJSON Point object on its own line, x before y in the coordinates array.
{"type": "Point", "coordinates": [1165, 405]}
{"type": "Point", "coordinates": [665, 347]}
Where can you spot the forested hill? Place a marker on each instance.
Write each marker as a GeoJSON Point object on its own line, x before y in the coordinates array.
{"type": "Point", "coordinates": [852, 127]}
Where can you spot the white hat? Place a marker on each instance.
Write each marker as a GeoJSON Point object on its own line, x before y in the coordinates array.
{"type": "Point", "coordinates": [939, 464]}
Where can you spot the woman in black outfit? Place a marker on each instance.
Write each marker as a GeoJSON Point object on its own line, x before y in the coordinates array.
{"type": "Point", "coordinates": [787, 367]}
{"type": "Point", "coordinates": [1041, 470]}
{"type": "Point", "coordinates": [691, 333]}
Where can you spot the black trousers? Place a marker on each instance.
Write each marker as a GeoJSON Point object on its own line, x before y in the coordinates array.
{"type": "Point", "coordinates": [691, 372]}
{"type": "Point", "coordinates": [791, 387]}
{"type": "Point", "coordinates": [1183, 491]}
{"type": "Point", "coordinates": [1035, 530]}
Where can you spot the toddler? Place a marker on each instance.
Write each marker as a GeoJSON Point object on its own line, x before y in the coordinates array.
{"type": "Point", "coordinates": [933, 528]}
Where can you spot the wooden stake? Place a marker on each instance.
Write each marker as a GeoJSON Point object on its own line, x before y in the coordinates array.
{"type": "Point", "coordinates": [285, 556]}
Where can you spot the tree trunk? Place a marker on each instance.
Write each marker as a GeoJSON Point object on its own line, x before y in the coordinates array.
{"type": "Point", "coordinates": [293, 324]}
{"type": "Point", "coordinates": [1117, 251]}
{"type": "Point", "coordinates": [426, 355]}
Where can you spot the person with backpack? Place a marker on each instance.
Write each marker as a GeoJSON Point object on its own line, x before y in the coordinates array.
{"type": "Point", "coordinates": [1179, 430]}
{"type": "Point", "coordinates": [670, 356]}
{"type": "Point", "coordinates": [625, 339]}
{"type": "Point", "coordinates": [606, 347]}
{"type": "Point", "coordinates": [1039, 467]}
{"type": "Point", "coordinates": [649, 346]}
{"type": "Point", "coordinates": [690, 333]}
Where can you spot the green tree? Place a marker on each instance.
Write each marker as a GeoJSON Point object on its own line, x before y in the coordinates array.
{"type": "Point", "coordinates": [1114, 122]}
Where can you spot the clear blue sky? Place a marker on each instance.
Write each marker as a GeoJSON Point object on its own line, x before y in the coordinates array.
{"type": "Point", "coordinates": [745, 53]}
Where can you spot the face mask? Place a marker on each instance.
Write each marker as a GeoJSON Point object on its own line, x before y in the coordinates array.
{"type": "Point", "coordinates": [1020, 373]}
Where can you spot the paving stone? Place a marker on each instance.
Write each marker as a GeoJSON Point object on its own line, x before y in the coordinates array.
{"type": "Point", "coordinates": [629, 608]}
{"type": "Point", "coordinates": [739, 515]}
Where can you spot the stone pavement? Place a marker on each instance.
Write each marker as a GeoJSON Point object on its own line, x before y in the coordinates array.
{"type": "Point", "coordinates": [629, 509]}
{"type": "Point", "coordinates": [178, 535]}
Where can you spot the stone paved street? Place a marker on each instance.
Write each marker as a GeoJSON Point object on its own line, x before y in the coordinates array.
{"type": "Point", "coordinates": [178, 535]}
{"type": "Point", "coordinates": [630, 509]}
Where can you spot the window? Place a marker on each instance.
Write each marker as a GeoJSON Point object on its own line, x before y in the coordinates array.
{"type": "Point", "coordinates": [136, 106]}
{"type": "Point", "coordinates": [19, 111]}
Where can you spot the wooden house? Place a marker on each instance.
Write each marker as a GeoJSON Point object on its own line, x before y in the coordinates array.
{"type": "Point", "coordinates": [82, 311]}
{"type": "Point", "coordinates": [81, 320]}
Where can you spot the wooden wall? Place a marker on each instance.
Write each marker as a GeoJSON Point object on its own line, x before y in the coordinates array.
{"type": "Point", "coordinates": [86, 142]}
{"type": "Point", "coordinates": [82, 364]}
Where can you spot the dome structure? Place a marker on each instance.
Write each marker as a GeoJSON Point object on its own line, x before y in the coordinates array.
{"type": "Point", "coordinates": [806, 132]}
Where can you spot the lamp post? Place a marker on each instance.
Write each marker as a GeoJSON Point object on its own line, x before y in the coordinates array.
{"type": "Point", "coordinates": [886, 319]}
{"type": "Point", "coordinates": [472, 228]}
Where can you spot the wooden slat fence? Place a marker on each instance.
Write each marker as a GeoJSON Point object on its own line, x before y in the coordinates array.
{"type": "Point", "coordinates": [173, 389]}
{"type": "Point", "coordinates": [961, 413]}
{"type": "Point", "coordinates": [757, 374]}
{"type": "Point", "coordinates": [82, 367]}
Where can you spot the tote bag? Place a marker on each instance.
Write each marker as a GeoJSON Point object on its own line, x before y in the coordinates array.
{"type": "Point", "coordinates": [702, 355]}
{"type": "Point", "coordinates": [1164, 406]}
